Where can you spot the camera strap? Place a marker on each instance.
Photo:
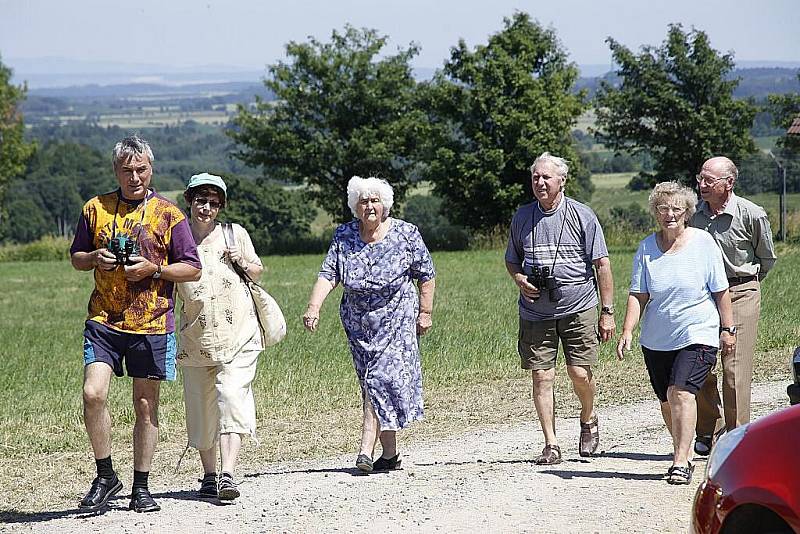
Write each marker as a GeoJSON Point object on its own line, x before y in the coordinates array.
{"type": "Point", "coordinates": [560, 234]}
{"type": "Point", "coordinates": [116, 212]}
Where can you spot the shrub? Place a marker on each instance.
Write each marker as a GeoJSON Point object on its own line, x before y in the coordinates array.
{"type": "Point", "coordinates": [278, 219]}
{"type": "Point", "coordinates": [48, 248]}
{"type": "Point", "coordinates": [626, 226]}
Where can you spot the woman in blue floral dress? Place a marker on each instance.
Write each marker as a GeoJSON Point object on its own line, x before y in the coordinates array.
{"type": "Point", "coordinates": [376, 258]}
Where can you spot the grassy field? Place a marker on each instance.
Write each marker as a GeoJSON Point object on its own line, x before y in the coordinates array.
{"type": "Point", "coordinates": [151, 117]}
{"type": "Point", "coordinates": [306, 390]}
{"type": "Point", "coordinates": [307, 395]}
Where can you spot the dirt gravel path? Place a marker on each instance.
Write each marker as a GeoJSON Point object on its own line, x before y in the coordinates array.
{"type": "Point", "coordinates": [479, 481]}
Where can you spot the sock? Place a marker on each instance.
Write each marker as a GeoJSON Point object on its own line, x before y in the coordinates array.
{"type": "Point", "coordinates": [140, 479]}
{"type": "Point", "coordinates": [104, 467]}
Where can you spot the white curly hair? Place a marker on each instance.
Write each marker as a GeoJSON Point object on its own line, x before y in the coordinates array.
{"type": "Point", "coordinates": [359, 188]}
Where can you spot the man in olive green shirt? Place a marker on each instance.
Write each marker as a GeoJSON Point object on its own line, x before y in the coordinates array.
{"type": "Point", "coordinates": [741, 230]}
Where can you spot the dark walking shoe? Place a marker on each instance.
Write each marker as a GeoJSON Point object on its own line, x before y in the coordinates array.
{"type": "Point", "coordinates": [101, 491]}
{"type": "Point", "coordinates": [551, 455]}
{"type": "Point", "coordinates": [590, 438]}
{"type": "Point", "coordinates": [208, 486]}
{"type": "Point", "coordinates": [142, 501]}
{"type": "Point", "coordinates": [364, 463]}
{"type": "Point", "coordinates": [702, 445]}
{"type": "Point", "coordinates": [387, 464]}
{"type": "Point", "coordinates": [227, 487]}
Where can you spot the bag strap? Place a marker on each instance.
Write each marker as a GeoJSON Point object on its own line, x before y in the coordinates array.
{"type": "Point", "coordinates": [227, 234]}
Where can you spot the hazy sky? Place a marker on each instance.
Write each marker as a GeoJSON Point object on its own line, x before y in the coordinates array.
{"type": "Point", "coordinates": [252, 33]}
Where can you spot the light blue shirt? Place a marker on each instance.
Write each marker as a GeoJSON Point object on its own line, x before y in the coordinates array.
{"type": "Point", "coordinates": [681, 310]}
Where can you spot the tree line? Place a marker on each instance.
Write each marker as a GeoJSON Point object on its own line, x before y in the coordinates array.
{"type": "Point", "coordinates": [345, 107]}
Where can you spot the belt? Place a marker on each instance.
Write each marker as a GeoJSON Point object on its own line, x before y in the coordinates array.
{"type": "Point", "coordinates": [737, 280]}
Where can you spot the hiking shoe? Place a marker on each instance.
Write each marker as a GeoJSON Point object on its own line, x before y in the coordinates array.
{"type": "Point", "coordinates": [364, 463]}
{"type": "Point", "coordinates": [702, 445]}
{"type": "Point", "coordinates": [142, 501]}
{"type": "Point", "coordinates": [227, 487]}
{"type": "Point", "coordinates": [387, 464]}
{"type": "Point", "coordinates": [589, 439]}
{"type": "Point", "coordinates": [208, 486]}
{"type": "Point", "coordinates": [101, 491]}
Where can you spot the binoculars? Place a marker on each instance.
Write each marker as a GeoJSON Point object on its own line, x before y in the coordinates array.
{"type": "Point", "coordinates": [544, 280]}
{"type": "Point", "coordinates": [123, 247]}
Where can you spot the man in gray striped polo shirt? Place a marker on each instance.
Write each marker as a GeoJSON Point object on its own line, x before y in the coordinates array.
{"type": "Point", "coordinates": [555, 247]}
{"type": "Point", "coordinates": [741, 229]}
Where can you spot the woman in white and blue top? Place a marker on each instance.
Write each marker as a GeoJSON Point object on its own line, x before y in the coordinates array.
{"type": "Point", "coordinates": [679, 280]}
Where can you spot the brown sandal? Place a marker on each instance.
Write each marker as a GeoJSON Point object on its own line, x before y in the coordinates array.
{"type": "Point", "coordinates": [590, 438]}
{"type": "Point", "coordinates": [551, 455]}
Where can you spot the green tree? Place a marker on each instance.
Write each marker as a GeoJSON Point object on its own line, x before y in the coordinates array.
{"type": "Point", "coordinates": [339, 112]}
{"type": "Point", "coordinates": [14, 151]}
{"type": "Point", "coordinates": [60, 177]}
{"type": "Point", "coordinates": [27, 220]}
{"type": "Point", "coordinates": [785, 108]}
{"type": "Point", "coordinates": [493, 110]}
{"type": "Point", "coordinates": [277, 219]}
{"type": "Point", "coordinates": [676, 102]}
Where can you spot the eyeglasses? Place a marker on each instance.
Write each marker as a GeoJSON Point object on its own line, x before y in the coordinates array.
{"type": "Point", "coordinates": [664, 209]}
{"type": "Point", "coordinates": [200, 202]}
{"type": "Point", "coordinates": [710, 181]}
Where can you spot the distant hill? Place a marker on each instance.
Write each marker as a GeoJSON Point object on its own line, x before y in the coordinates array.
{"type": "Point", "coordinates": [45, 72]}
{"type": "Point", "coordinates": [95, 100]}
{"type": "Point", "coordinates": [754, 82]}
{"type": "Point", "coordinates": [759, 82]}
{"type": "Point", "coordinates": [151, 90]}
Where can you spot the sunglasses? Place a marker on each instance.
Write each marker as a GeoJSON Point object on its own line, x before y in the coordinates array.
{"type": "Point", "coordinates": [201, 201]}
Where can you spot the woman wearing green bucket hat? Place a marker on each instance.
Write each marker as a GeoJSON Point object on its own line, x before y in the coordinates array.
{"type": "Point", "coordinates": [220, 339]}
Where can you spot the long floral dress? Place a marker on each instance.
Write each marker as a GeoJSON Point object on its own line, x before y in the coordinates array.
{"type": "Point", "coordinates": [379, 311]}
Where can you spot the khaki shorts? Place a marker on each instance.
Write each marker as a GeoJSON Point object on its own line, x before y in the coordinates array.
{"type": "Point", "coordinates": [538, 340]}
{"type": "Point", "coordinates": [219, 398]}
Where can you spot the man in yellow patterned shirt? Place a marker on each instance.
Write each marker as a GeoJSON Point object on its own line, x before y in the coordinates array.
{"type": "Point", "coordinates": [138, 244]}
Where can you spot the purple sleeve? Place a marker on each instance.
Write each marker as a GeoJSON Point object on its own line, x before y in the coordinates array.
{"type": "Point", "coordinates": [330, 266]}
{"type": "Point", "coordinates": [82, 242]}
{"type": "Point", "coordinates": [182, 248]}
{"type": "Point", "coordinates": [421, 263]}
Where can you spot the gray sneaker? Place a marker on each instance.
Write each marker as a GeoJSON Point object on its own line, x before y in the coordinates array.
{"type": "Point", "coordinates": [364, 463]}
{"type": "Point", "coordinates": [226, 488]}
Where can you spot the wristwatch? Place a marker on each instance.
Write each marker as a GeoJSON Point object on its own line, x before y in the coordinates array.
{"type": "Point", "coordinates": [729, 329]}
{"type": "Point", "coordinates": [608, 310]}
{"type": "Point", "coordinates": [157, 274]}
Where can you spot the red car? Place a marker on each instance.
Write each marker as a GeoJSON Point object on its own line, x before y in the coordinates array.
{"type": "Point", "coordinates": [752, 481]}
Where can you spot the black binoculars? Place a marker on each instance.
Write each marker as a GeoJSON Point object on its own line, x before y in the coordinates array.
{"type": "Point", "coordinates": [123, 247]}
{"type": "Point", "coordinates": [545, 281]}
